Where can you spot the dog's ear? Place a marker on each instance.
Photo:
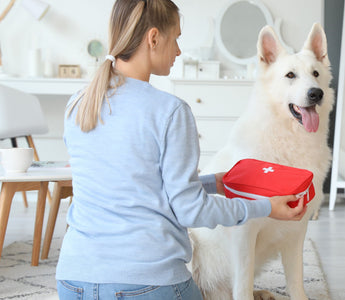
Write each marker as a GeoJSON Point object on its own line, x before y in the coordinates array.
{"type": "Point", "coordinates": [269, 47]}
{"type": "Point", "coordinates": [317, 43]}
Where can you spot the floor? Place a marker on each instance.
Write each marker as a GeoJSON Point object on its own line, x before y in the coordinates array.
{"type": "Point", "coordinates": [328, 233]}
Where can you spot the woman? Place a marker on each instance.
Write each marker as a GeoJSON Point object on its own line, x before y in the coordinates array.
{"type": "Point", "coordinates": [134, 154]}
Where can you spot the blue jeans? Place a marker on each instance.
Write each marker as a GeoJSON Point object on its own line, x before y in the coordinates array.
{"type": "Point", "coordinates": [73, 290]}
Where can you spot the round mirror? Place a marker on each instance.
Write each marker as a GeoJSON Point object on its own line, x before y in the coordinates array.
{"type": "Point", "coordinates": [238, 28]}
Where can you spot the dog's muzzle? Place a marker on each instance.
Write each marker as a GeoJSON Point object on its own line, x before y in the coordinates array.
{"type": "Point", "coordinates": [307, 115]}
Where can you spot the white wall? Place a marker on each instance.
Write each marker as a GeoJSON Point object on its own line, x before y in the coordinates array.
{"type": "Point", "coordinates": [69, 25]}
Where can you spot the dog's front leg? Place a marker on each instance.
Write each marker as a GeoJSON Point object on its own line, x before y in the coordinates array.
{"type": "Point", "coordinates": [243, 258]}
{"type": "Point", "coordinates": [292, 258]}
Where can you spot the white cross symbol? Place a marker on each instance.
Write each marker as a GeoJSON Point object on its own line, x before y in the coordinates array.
{"type": "Point", "coordinates": [269, 169]}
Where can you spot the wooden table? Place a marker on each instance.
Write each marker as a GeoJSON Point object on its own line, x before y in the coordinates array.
{"type": "Point", "coordinates": [34, 179]}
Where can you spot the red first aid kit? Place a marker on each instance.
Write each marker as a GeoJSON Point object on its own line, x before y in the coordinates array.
{"type": "Point", "coordinates": [255, 179]}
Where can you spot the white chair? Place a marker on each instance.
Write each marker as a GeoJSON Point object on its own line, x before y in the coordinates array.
{"type": "Point", "coordinates": [21, 116]}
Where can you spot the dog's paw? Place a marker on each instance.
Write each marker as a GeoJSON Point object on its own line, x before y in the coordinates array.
{"type": "Point", "coordinates": [263, 295]}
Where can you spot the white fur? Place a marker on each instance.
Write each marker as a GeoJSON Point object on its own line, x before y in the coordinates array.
{"type": "Point", "coordinates": [226, 259]}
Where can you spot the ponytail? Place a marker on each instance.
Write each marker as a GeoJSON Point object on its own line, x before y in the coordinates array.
{"type": "Point", "coordinates": [130, 20]}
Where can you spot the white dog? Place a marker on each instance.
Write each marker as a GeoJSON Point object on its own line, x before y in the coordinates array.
{"type": "Point", "coordinates": [286, 123]}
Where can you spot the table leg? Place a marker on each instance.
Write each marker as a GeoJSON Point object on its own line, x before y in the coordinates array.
{"type": "Point", "coordinates": [54, 208]}
{"type": "Point", "coordinates": [41, 202]}
{"type": "Point", "coordinates": [6, 196]}
{"type": "Point", "coordinates": [62, 189]}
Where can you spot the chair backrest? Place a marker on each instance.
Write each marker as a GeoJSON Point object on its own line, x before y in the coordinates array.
{"type": "Point", "coordinates": [20, 114]}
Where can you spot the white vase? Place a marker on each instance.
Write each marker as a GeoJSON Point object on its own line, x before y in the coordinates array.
{"type": "Point", "coordinates": [35, 66]}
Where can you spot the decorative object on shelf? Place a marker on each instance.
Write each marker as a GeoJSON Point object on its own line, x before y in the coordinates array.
{"type": "Point", "coordinates": [35, 62]}
{"type": "Point", "coordinates": [208, 69]}
{"type": "Point", "coordinates": [194, 69]}
{"type": "Point", "coordinates": [95, 49]}
{"type": "Point", "coordinates": [190, 68]}
{"type": "Point", "coordinates": [69, 71]}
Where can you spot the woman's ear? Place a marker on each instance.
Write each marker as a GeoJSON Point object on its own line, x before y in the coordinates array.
{"type": "Point", "coordinates": [152, 36]}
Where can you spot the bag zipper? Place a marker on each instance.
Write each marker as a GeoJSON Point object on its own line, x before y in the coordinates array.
{"type": "Point", "coordinates": [260, 197]}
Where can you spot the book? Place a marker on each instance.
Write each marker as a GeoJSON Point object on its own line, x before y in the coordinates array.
{"type": "Point", "coordinates": [50, 164]}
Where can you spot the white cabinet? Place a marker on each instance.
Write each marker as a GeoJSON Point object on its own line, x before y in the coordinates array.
{"type": "Point", "coordinates": [216, 105]}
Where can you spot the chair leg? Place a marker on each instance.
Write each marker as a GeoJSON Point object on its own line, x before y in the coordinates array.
{"type": "Point", "coordinates": [14, 142]}
{"type": "Point", "coordinates": [31, 144]}
{"type": "Point", "coordinates": [15, 145]}
{"type": "Point", "coordinates": [25, 200]}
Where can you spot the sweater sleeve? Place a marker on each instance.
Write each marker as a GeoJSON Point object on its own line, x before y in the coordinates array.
{"type": "Point", "coordinates": [209, 183]}
{"type": "Point", "coordinates": [191, 204]}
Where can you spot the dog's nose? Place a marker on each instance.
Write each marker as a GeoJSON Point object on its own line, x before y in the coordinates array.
{"type": "Point", "coordinates": [315, 95]}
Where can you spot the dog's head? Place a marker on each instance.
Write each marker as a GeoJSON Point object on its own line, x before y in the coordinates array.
{"type": "Point", "coordinates": [297, 84]}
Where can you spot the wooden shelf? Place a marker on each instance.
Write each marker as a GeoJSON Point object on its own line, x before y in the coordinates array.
{"type": "Point", "coordinates": [45, 86]}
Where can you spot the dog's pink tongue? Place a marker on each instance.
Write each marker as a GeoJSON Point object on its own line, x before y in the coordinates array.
{"type": "Point", "coordinates": [310, 118]}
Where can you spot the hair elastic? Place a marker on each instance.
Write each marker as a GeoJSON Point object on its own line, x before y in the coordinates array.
{"type": "Point", "coordinates": [111, 58]}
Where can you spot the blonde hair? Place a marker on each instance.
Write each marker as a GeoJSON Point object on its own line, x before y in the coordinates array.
{"type": "Point", "coordinates": [129, 21]}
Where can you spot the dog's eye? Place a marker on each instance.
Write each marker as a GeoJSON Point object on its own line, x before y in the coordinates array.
{"type": "Point", "coordinates": [290, 75]}
{"type": "Point", "coordinates": [316, 73]}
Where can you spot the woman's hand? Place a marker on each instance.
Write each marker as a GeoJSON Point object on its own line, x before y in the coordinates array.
{"type": "Point", "coordinates": [219, 182]}
{"type": "Point", "coordinates": [282, 211]}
